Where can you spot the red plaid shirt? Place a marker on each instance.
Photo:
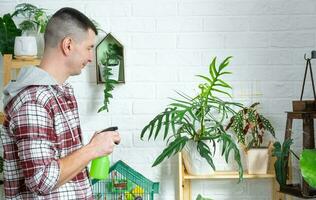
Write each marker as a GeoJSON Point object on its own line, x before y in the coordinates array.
{"type": "Point", "coordinates": [36, 135]}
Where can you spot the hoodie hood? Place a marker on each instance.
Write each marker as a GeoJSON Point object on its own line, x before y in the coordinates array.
{"type": "Point", "coordinates": [27, 76]}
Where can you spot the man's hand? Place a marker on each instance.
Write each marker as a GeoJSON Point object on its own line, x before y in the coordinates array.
{"type": "Point", "coordinates": [103, 143]}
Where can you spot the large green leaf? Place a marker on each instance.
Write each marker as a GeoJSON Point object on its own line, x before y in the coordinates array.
{"type": "Point", "coordinates": [308, 166]}
{"type": "Point", "coordinates": [280, 165]}
{"type": "Point", "coordinates": [8, 32]}
{"type": "Point", "coordinates": [228, 147]}
{"type": "Point", "coordinates": [173, 148]}
{"type": "Point", "coordinates": [212, 68]}
{"type": "Point", "coordinates": [109, 85]}
{"type": "Point", "coordinates": [205, 152]}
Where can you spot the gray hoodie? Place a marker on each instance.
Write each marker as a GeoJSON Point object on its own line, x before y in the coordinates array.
{"type": "Point", "coordinates": [28, 76]}
{"type": "Point", "coordinates": [31, 76]}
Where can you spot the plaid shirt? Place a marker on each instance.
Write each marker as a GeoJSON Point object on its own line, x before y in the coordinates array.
{"type": "Point", "coordinates": [36, 135]}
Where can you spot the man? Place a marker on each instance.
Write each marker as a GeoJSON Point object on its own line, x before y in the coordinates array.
{"type": "Point", "coordinates": [43, 151]}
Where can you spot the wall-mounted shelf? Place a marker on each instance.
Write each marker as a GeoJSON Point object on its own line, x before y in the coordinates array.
{"type": "Point", "coordinates": [185, 180]}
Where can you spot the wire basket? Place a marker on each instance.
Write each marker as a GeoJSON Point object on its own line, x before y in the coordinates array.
{"type": "Point", "coordinates": [124, 183]}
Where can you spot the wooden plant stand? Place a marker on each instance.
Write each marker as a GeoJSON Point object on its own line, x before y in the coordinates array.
{"type": "Point", "coordinates": [304, 190]}
{"type": "Point", "coordinates": [185, 179]}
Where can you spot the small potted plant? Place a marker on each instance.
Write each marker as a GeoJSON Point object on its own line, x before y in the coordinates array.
{"type": "Point", "coordinates": [249, 126]}
{"type": "Point", "coordinates": [281, 152]}
{"type": "Point", "coordinates": [33, 24]}
{"type": "Point", "coordinates": [112, 59]}
{"type": "Point", "coordinates": [195, 125]}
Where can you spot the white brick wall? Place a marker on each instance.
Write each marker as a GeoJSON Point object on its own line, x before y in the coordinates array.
{"type": "Point", "coordinates": [167, 43]}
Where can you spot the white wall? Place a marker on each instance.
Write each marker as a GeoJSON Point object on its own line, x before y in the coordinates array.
{"type": "Point", "coordinates": [167, 43]}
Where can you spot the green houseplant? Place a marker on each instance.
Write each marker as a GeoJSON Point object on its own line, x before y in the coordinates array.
{"type": "Point", "coordinates": [249, 126]}
{"type": "Point", "coordinates": [281, 152]}
{"type": "Point", "coordinates": [34, 22]}
{"type": "Point", "coordinates": [198, 120]}
{"type": "Point", "coordinates": [8, 32]}
{"type": "Point", "coordinates": [307, 162]}
{"type": "Point", "coordinates": [110, 72]}
{"type": "Point", "coordinates": [35, 19]}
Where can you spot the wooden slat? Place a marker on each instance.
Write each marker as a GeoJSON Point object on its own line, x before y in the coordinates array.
{"type": "Point", "coordinates": [6, 68]}
{"type": "Point", "coordinates": [1, 118]}
{"type": "Point", "coordinates": [10, 64]}
{"type": "Point", "coordinates": [180, 177]}
{"type": "Point", "coordinates": [228, 175]}
{"type": "Point", "coordinates": [16, 64]}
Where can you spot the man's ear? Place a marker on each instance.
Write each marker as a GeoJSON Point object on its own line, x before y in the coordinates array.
{"type": "Point", "coordinates": [67, 45]}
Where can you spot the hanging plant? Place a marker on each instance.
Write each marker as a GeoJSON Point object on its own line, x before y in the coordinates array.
{"type": "Point", "coordinates": [110, 66]}
{"type": "Point", "coordinates": [109, 85]}
{"type": "Point", "coordinates": [111, 58]}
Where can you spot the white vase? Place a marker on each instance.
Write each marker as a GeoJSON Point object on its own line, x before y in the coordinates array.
{"type": "Point", "coordinates": [25, 46]}
{"type": "Point", "coordinates": [257, 159]}
{"type": "Point", "coordinates": [193, 161]}
{"type": "Point", "coordinates": [115, 71]}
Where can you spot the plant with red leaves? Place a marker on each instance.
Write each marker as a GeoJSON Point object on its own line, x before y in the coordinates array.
{"type": "Point", "coordinates": [249, 126]}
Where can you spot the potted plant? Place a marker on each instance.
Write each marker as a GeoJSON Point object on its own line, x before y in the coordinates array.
{"type": "Point", "coordinates": [307, 162]}
{"type": "Point", "coordinates": [195, 125]}
{"type": "Point", "coordinates": [281, 152]}
{"type": "Point", "coordinates": [249, 126]}
{"type": "Point", "coordinates": [33, 24]}
{"type": "Point", "coordinates": [112, 59]}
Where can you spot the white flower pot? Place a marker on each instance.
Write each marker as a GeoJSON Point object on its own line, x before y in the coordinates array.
{"type": "Point", "coordinates": [25, 46]}
{"type": "Point", "coordinates": [257, 160]}
{"type": "Point", "coordinates": [115, 71]}
{"type": "Point", "coordinates": [193, 162]}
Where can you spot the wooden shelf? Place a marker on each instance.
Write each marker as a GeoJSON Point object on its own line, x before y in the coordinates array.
{"type": "Point", "coordinates": [17, 63]}
{"type": "Point", "coordinates": [226, 175]}
{"type": "Point", "coordinates": [185, 180]}
{"type": "Point", "coordinates": [10, 64]}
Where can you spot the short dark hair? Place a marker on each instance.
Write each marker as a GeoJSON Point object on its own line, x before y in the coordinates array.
{"type": "Point", "coordinates": [67, 22]}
